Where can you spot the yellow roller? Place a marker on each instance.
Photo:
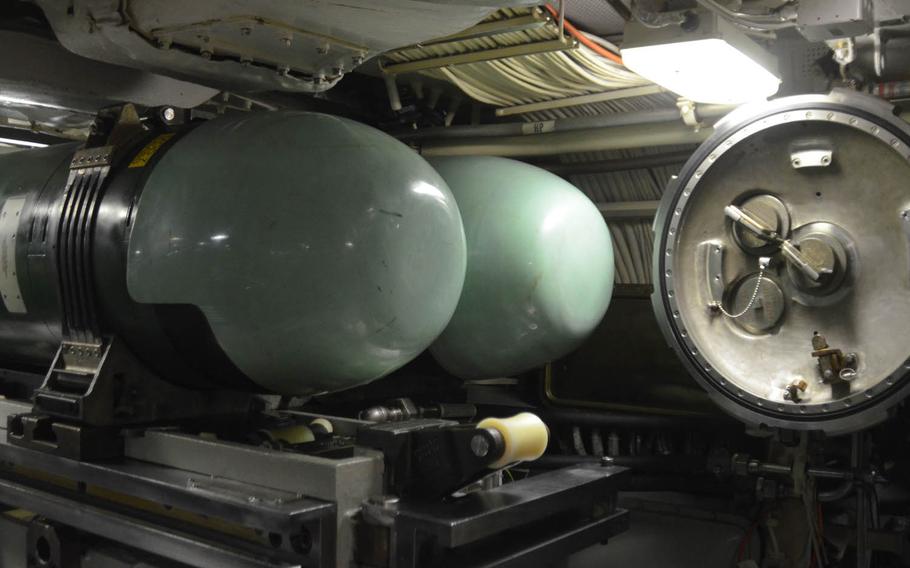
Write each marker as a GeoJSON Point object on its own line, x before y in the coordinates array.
{"type": "Point", "coordinates": [323, 424]}
{"type": "Point", "coordinates": [525, 436]}
{"type": "Point", "coordinates": [296, 434]}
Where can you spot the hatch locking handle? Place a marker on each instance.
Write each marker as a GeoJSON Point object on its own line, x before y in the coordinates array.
{"type": "Point", "coordinates": [788, 249]}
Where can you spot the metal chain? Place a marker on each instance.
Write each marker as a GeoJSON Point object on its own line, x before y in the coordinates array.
{"type": "Point", "coordinates": [720, 305]}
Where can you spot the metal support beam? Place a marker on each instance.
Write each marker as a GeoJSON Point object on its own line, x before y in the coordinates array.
{"type": "Point", "coordinates": [170, 543]}
{"type": "Point", "coordinates": [625, 210]}
{"type": "Point", "coordinates": [465, 527]}
{"type": "Point", "coordinates": [253, 506]}
{"type": "Point", "coordinates": [613, 95]}
{"type": "Point", "coordinates": [346, 481]}
{"type": "Point", "coordinates": [617, 165]}
{"type": "Point", "coordinates": [590, 140]}
{"type": "Point", "coordinates": [479, 56]}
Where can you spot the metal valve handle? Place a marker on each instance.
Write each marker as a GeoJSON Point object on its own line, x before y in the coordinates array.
{"type": "Point", "coordinates": [787, 249]}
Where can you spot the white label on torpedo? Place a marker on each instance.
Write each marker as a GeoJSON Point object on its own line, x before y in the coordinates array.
{"type": "Point", "coordinates": [9, 281]}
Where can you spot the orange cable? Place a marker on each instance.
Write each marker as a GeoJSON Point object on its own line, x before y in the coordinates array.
{"type": "Point", "coordinates": [573, 31]}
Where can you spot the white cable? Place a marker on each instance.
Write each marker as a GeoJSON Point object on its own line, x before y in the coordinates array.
{"type": "Point", "coordinates": [530, 78]}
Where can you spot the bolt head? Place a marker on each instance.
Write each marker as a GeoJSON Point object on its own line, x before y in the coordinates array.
{"type": "Point", "coordinates": [384, 500]}
{"type": "Point", "coordinates": [480, 446]}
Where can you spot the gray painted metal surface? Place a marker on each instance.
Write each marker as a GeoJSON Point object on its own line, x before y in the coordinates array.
{"type": "Point", "coordinates": [45, 87]}
{"type": "Point", "coordinates": [347, 482]}
{"type": "Point", "coordinates": [246, 45]}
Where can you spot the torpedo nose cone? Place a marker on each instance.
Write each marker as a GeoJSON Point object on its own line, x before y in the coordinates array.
{"type": "Point", "coordinates": [322, 252]}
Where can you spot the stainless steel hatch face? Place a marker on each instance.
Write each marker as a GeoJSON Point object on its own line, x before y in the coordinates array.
{"type": "Point", "coordinates": [842, 175]}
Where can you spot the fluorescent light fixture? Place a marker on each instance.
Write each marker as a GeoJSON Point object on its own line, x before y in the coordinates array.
{"type": "Point", "coordinates": [25, 143]}
{"type": "Point", "coordinates": [715, 63]}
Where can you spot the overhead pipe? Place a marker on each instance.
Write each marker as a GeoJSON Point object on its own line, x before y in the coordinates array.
{"type": "Point", "coordinates": [704, 112]}
{"type": "Point", "coordinates": [628, 210]}
{"type": "Point", "coordinates": [392, 89]}
{"type": "Point", "coordinates": [454, 104]}
{"type": "Point", "coordinates": [543, 126]}
{"type": "Point", "coordinates": [588, 140]}
{"type": "Point", "coordinates": [604, 418]}
{"type": "Point", "coordinates": [683, 463]}
{"type": "Point", "coordinates": [616, 165]}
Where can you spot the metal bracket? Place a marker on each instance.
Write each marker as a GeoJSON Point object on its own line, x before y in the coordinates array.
{"type": "Point", "coordinates": [50, 545]}
{"type": "Point", "coordinates": [712, 255]}
{"type": "Point", "coordinates": [78, 442]}
{"type": "Point", "coordinates": [811, 159]}
{"type": "Point", "coordinates": [811, 153]}
{"type": "Point", "coordinates": [688, 111]}
{"type": "Point", "coordinates": [105, 385]}
{"type": "Point", "coordinates": [835, 367]}
{"type": "Point", "coordinates": [432, 458]}
{"type": "Point", "coordinates": [93, 390]}
{"type": "Point", "coordinates": [81, 197]}
{"type": "Point", "coordinates": [469, 531]}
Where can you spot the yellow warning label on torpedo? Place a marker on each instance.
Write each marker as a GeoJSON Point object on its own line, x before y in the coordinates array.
{"type": "Point", "coordinates": [144, 155]}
